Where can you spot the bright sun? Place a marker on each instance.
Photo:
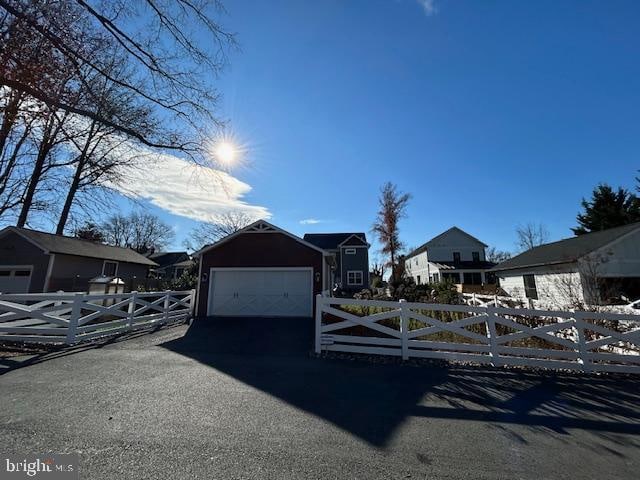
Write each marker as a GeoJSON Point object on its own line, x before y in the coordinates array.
{"type": "Point", "coordinates": [226, 152]}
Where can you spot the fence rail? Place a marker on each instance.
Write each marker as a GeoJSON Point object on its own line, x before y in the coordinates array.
{"type": "Point", "coordinates": [484, 300]}
{"type": "Point", "coordinates": [585, 341]}
{"type": "Point", "coordinates": [69, 318]}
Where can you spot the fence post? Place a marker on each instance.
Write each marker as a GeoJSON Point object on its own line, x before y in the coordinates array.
{"type": "Point", "coordinates": [192, 303]}
{"type": "Point", "coordinates": [492, 335]}
{"type": "Point", "coordinates": [166, 305]}
{"type": "Point", "coordinates": [76, 311]}
{"type": "Point", "coordinates": [132, 308]}
{"type": "Point", "coordinates": [404, 329]}
{"type": "Point", "coordinates": [318, 323]}
{"type": "Point", "coordinates": [495, 300]}
{"type": "Point", "coordinates": [582, 342]}
{"type": "Point", "coordinates": [473, 298]}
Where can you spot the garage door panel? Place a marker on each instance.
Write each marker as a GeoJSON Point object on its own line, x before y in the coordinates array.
{"type": "Point", "coordinates": [15, 279]}
{"type": "Point", "coordinates": [257, 292]}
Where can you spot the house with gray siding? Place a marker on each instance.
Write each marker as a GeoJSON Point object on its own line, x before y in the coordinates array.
{"type": "Point", "coordinates": [36, 262]}
{"type": "Point", "coordinates": [349, 258]}
{"type": "Point", "coordinates": [171, 265]}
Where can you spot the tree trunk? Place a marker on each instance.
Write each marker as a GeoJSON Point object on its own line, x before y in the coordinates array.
{"type": "Point", "coordinates": [9, 118]}
{"type": "Point", "coordinates": [75, 183]}
{"type": "Point", "coordinates": [36, 174]}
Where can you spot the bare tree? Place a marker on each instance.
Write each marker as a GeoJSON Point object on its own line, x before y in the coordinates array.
{"type": "Point", "coordinates": [174, 48]}
{"type": "Point", "coordinates": [142, 232]}
{"type": "Point", "coordinates": [531, 235]}
{"type": "Point", "coordinates": [223, 225]}
{"type": "Point", "coordinates": [497, 256]}
{"type": "Point", "coordinates": [392, 207]}
{"type": "Point", "coordinates": [101, 150]}
{"type": "Point", "coordinates": [377, 266]}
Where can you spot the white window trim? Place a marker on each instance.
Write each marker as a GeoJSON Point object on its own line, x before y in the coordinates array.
{"type": "Point", "coordinates": [349, 282]}
{"type": "Point", "coordinates": [104, 264]}
{"type": "Point", "coordinates": [349, 251]}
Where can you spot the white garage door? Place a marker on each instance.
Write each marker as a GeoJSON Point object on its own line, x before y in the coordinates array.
{"type": "Point", "coordinates": [15, 279]}
{"type": "Point", "coordinates": [261, 292]}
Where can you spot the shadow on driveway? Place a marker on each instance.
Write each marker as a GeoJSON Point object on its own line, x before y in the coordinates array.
{"type": "Point", "coordinates": [373, 400]}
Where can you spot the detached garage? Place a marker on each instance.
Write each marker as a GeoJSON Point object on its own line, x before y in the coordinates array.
{"type": "Point", "coordinates": [260, 271]}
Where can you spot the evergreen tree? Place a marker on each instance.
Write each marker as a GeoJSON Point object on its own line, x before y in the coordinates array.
{"type": "Point", "coordinates": [607, 208]}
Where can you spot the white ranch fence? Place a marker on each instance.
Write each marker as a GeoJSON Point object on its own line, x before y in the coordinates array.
{"type": "Point", "coordinates": [574, 340]}
{"type": "Point", "coordinates": [483, 300]}
{"type": "Point", "coordinates": [69, 318]}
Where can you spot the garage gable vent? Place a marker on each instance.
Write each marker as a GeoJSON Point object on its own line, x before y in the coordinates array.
{"type": "Point", "coordinates": [261, 227]}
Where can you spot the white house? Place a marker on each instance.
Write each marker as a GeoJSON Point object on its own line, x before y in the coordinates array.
{"type": "Point", "coordinates": [453, 255]}
{"type": "Point", "coordinates": [587, 269]}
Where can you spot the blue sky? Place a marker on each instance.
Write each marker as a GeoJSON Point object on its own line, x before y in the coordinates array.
{"type": "Point", "coordinates": [490, 113]}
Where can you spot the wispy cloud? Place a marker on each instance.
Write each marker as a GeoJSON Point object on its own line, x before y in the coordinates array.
{"type": "Point", "coordinates": [183, 188]}
{"type": "Point", "coordinates": [429, 6]}
{"type": "Point", "coordinates": [310, 221]}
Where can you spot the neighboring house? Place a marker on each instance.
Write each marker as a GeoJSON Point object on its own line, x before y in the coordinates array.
{"type": "Point", "coordinates": [453, 255]}
{"type": "Point", "coordinates": [34, 262]}
{"type": "Point", "coordinates": [350, 251]}
{"type": "Point", "coordinates": [261, 271]}
{"type": "Point", "coordinates": [587, 269]}
{"type": "Point", "coordinates": [171, 265]}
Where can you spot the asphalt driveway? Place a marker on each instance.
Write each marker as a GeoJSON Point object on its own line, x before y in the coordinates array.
{"type": "Point", "coordinates": [244, 399]}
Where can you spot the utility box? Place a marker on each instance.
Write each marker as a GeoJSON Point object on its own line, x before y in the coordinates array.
{"type": "Point", "coordinates": [106, 285]}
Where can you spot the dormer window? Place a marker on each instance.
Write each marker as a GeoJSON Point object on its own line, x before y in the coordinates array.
{"type": "Point", "coordinates": [456, 257]}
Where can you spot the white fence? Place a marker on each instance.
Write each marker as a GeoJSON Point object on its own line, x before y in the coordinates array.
{"type": "Point", "coordinates": [483, 300]}
{"type": "Point", "coordinates": [69, 318]}
{"type": "Point", "coordinates": [583, 341]}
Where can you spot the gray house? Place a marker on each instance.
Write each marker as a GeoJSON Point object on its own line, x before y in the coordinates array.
{"type": "Point", "coordinates": [34, 262]}
{"type": "Point", "coordinates": [171, 265]}
{"type": "Point", "coordinates": [350, 262]}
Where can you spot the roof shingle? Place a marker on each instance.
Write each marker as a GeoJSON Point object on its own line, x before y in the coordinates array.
{"type": "Point", "coordinates": [565, 251]}
{"type": "Point", "coordinates": [83, 248]}
{"type": "Point", "coordinates": [330, 241]}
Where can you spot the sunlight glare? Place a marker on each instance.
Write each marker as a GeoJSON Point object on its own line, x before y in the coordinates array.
{"type": "Point", "coordinates": [226, 152]}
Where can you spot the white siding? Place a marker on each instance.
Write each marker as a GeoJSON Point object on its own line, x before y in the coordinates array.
{"type": "Point", "coordinates": [557, 287]}
{"type": "Point", "coordinates": [418, 266]}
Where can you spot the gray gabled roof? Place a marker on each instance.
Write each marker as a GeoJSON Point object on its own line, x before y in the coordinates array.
{"type": "Point", "coordinates": [331, 241]}
{"type": "Point", "coordinates": [568, 250]}
{"type": "Point", "coordinates": [52, 243]}
{"type": "Point", "coordinates": [166, 259]}
{"type": "Point", "coordinates": [424, 246]}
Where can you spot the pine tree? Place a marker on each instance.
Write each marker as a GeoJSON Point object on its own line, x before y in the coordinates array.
{"type": "Point", "coordinates": [607, 208]}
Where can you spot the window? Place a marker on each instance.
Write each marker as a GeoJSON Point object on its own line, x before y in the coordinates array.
{"type": "Point", "coordinates": [22, 273]}
{"type": "Point", "coordinates": [5, 273]}
{"type": "Point", "coordinates": [436, 277]}
{"type": "Point", "coordinates": [350, 251]}
{"type": "Point", "coordinates": [473, 278]}
{"type": "Point", "coordinates": [354, 277]}
{"type": "Point", "coordinates": [418, 279]}
{"type": "Point", "coordinates": [530, 289]}
{"type": "Point", "coordinates": [452, 277]}
{"type": "Point", "coordinates": [476, 256]}
{"type": "Point", "coordinates": [109, 269]}
{"type": "Point", "coordinates": [456, 257]}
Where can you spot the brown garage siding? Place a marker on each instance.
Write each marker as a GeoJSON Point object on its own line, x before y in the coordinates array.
{"type": "Point", "coordinates": [258, 250]}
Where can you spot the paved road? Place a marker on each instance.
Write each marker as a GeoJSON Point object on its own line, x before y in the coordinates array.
{"type": "Point", "coordinates": [247, 401]}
